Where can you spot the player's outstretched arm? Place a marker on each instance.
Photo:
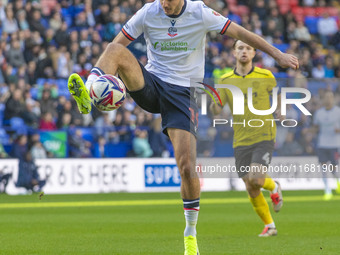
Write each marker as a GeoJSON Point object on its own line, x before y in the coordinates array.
{"type": "Point", "coordinates": [283, 59]}
{"type": "Point", "coordinates": [121, 39]}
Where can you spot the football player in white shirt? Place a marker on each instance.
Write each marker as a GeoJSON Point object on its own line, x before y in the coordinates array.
{"type": "Point", "coordinates": [175, 32]}
{"type": "Point", "coordinates": [327, 122]}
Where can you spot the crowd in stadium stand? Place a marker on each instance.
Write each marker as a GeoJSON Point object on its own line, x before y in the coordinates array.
{"type": "Point", "coordinates": [42, 42]}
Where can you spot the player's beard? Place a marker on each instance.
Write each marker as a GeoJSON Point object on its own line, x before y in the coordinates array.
{"type": "Point", "coordinates": [245, 60]}
{"type": "Point", "coordinates": [175, 11]}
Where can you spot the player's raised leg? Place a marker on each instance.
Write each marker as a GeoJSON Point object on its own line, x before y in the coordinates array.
{"type": "Point", "coordinates": [80, 93]}
{"type": "Point", "coordinates": [274, 188]}
{"type": "Point", "coordinates": [184, 144]}
{"type": "Point", "coordinates": [115, 59]}
{"type": "Point", "coordinates": [118, 59]}
{"type": "Point", "coordinates": [255, 180]}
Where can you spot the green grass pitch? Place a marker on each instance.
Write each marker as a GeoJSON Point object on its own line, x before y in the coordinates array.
{"type": "Point", "coordinates": [153, 223]}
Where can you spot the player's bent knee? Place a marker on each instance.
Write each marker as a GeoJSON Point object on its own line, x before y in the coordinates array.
{"type": "Point", "coordinates": [185, 168]}
{"type": "Point", "coordinates": [114, 47]}
{"type": "Point", "coordinates": [253, 184]}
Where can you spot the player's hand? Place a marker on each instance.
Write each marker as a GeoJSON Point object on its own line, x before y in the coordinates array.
{"type": "Point", "coordinates": [216, 108]}
{"type": "Point", "coordinates": [288, 61]}
{"type": "Point", "coordinates": [217, 100]}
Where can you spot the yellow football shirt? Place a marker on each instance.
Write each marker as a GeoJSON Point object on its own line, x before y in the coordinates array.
{"type": "Point", "coordinates": [262, 82]}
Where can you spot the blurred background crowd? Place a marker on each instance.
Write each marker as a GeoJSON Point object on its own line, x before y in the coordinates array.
{"type": "Point", "coordinates": [42, 42]}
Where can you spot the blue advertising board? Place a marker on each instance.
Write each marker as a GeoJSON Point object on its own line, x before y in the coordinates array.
{"type": "Point", "coordinates": [162, 175]}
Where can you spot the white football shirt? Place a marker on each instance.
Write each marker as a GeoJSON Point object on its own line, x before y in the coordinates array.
{"type": "Point", "coordinates": [175, 44]}
{"type": "Point", "coordinates": [328, 121]}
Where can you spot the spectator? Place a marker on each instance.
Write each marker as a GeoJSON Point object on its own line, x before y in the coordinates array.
{"type": "Point", "coordinates": [290, 147]}
{"type": "Point", "coordinates": [318, 72]}
{"type": "Point", "coordinates": [329, 67]}
{"type": "Point", "coordinates": [35, 22]}
{"type": "Point", "coordinates": [38, 151]}
{"type": "Point", "coordinates": [301, 32]}
{"type": "Point", "coordinates": [221, 68]}
{"type": "Point", "coordinates": [2, 12]}
{"type": "Point", "coordinates": [140, 144]}
{"type": "Point", "coordinates": [64, 63]}
{"type": "Point", "coordinates": [278, 20]}
{"type": "Point", "coordinates": [19, 148]}
{"type": "Point", "coordinates": [100, 150]}
{"type": "Point", "coordinates": [260, 9]}
{"type": "Point", "coordinates": [89, 14]}
{"type": "Point", "coordinates": [15, 106]}
{"type": "Point", "coordinates": [327, 27]}
{"type": "Point", "coordinates": [23, 24]}
{"type": "Point", "coordinates": [113, 27]}
{"type": "Point", "coordinates": [15, 55]}
{"type": "Point", "coordinates": [3, 153]}
{"type": "Point", "coordinates": [309, 2]}
{"type": "Point", "coordinates": [30, 116]}
{"type": "Point", "coordinates": [47, 104]}
{"type": "Point", "coordinates": [56, 21]}
{"type": "Point", "coordinates": [62, 35]}
{"type": "Point", "coordinates": [157, 139]}
{"type": "Point", "coordinates": [9, 24]}
{"type": "Point", "coordinates": [28, 176]}
{"type": "Point", "coordinates": [104, 14]}
{"type": "Point", "coordinates": [47, 122]}
{"type": "Point", "coordinates": [65, 121]}
{"type": "Point", "coordinates": [79, 147]}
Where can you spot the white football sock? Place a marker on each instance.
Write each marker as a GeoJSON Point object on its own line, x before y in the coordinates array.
{"type": "Point", "coordinates": [271, 225]}
{"type": "Point", "coordinates": [191, 217]}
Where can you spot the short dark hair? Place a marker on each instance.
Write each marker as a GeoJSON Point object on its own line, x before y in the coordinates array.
{"type": "Point", "coordinates": [234, 45]}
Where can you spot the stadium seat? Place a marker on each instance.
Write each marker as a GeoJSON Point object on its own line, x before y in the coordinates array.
{"type": "Point", "coordinates": [333, 11]}
{"type": "Point", "coordinates": [18, 125]}
{"type": "Point", "coordinates": [282, 47]}
{"type": "Point", "coordinates": [4, 137]}
{"type": "Point", "coordinates": [34, 92]}
{"type": "Point", "coordinates": [297, 10]}
{"type": "Point", "coordinates": [231, 2]}
{"type": "Point", "coordinates": [233, 9]}
{"type": "Point", "coordinates": [309, 11]}
{"type": "Point", "coordinates": [45, 23]}
{"type": "Point", "coordinates": [118, 150]}
{"type": "Point", "coordinates": [50, 81]}
{"type": "Point", "coordinates": [315, 85]}
{"type": "Point", "coordinates": [293, 3]}
{"type": "Point", "coordinates": [243, 10]}
{"type": "Point", "coordinates": [87, 133]}
{"type": "Point", "coordinates": [320, 11]}
{"type": "Point", "coordinates": [282, 2]}
{"type": "Point", "coordinates": [235, 18]}
{"type": "Point", "coordinates": [281, 75]}
{"type": "Point", "coordinates": [2, 109]}
{"type": "Point", "coordinates": [61, 83]}
{"type": "Point", "coordinates": [299, 17]}
{"type": "Point", "coordinates": [312, 24]}
{"type": "Point", "coordinates": [41, 81]}
{"type": "Point", "coordinates": [223, 149]}
{"type": "Point", "coordinates": [281, 82]}
{"type": "Point", "coordinates": [284, 9]}
{"type": "Point", "coordinates": [64, 92]}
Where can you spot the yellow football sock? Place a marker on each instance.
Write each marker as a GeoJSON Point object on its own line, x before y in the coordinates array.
{"type": "Point", "coordinates": [269, 183]}
{"type": "Point", "coordinates": [261, 207]}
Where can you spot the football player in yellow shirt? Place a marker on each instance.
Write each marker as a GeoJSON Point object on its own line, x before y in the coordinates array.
{"type": "Point", "coordinates": [253, 146]}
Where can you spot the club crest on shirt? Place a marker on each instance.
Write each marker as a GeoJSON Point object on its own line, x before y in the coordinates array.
{"type": "Point", "coordinates": [172, 31]}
